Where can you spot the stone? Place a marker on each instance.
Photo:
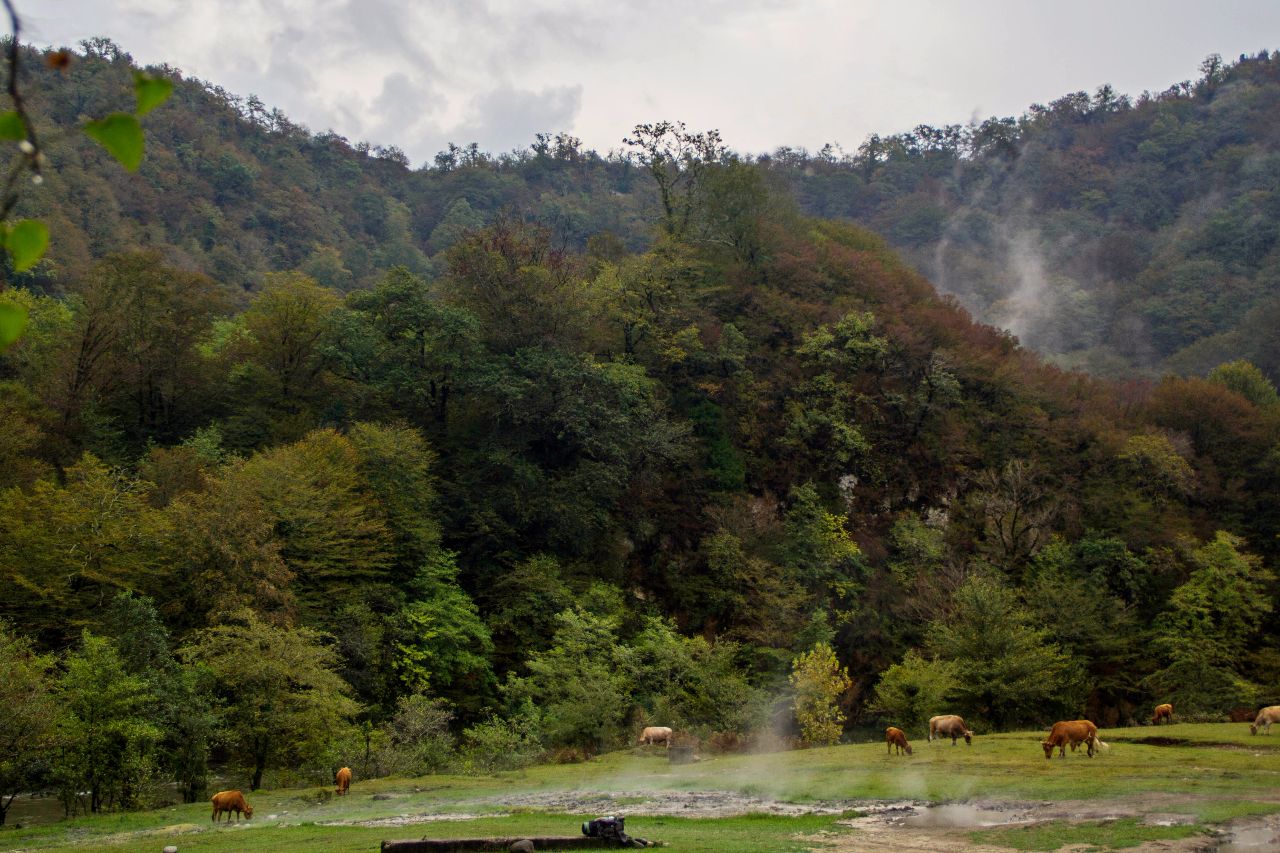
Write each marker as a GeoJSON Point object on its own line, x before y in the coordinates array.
{"type": "Point", "coordinates": [524, 845]}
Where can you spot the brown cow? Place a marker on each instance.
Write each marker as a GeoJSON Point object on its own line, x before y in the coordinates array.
{"type": "Point", "coordinates": [1267, 716]}
{"type": "Point", "coordinates": [230, 801]}
{"type": "Point", "coordinates": [343, 778]}
{"type": "Point", "coordinates": [1072, 733]}
{"type": "Point", "coordinates": [949, 725]}
{"type": "Point", "coordinates": [1163, 712]}
{"type": "Point", "coordinates": [656, 734]}
{"type": "Point", "coordinates": [894, 736]}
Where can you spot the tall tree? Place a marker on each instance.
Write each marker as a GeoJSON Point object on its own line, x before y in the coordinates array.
{"type": "Point", "coordinates": [282, 702]}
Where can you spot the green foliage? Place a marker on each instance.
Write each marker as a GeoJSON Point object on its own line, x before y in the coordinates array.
{"type": "Point", "coordinates": [28, 714]}
{"type": "Point", "coordinates": [106, 744]}
{"type": "Point", "coordinates": [443, 646]}
{"type": "Point", "coordinates": [418, 738]}
{"type": "Point", "coordinates": [281, 701]}
{"type": "Point", "coordinates": [1007, 671]}
{"type": "Point", "coordinates": [915, 689]}
{"type": "Point", "coordinates": [150, 92]}
{"type": "Point", "coordinates": [1211, 618]}
{"type": "Point", "coordinates": [121, 135]}
{"type": "Point", "coordinates": [819, 682]}
{"type": "Point", "coordinates": [26, 242]}
{"type": "Point", "coordinates": [1248, 381]}
{"type": "Point", "coordinates": [509, 743]}
{"type": "Point", "coordinates": [578, 685]}
{"type": "Point", "coordinates": [13, 318]}
{"type": "Point", "coordinates": [688, 683]}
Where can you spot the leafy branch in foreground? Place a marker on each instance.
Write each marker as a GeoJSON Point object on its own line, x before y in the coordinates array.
{"type": "Point", "coordinates": [120, 133]}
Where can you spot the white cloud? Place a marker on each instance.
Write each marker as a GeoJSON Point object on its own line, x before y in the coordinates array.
{"type": "Point", "coordinates": [419, 73]}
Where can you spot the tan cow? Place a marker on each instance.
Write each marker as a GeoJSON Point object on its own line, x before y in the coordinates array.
{"type": "Point", "coordinates": [949, 725]}
{"type": "Point", "coordinates": [1072, 733]}
{"type": "Point", "coordinates": [656, 734]}
{"type": "Point", "coordinates": [1267, 716]}
{"type": "Point", "coordinates": [894, 736]}
{"type": "Point", "coordinates": [230, 801]}
{"type": "Point", "coordinates": [343, 778]}
{"type": "Point", "coordinates": [1163, 712]}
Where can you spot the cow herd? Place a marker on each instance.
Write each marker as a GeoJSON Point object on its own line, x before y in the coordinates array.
{"type": "Point", "coordinates": [1071, 733]}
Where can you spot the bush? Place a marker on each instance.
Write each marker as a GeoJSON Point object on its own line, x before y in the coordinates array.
{"type": "Point", "coordinates": [418, 738]}
{"type": "Point", "coordinates": [819, 682]}
{"type": "Point", "coordinates": [911, 692]}
{"type": "Point", "coordinates": [503, 744]}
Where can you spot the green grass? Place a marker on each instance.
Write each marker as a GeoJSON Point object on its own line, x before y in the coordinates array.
{"type": "Point", "coordinates": [1103, 835]}
{"type": "Point", "coordinates": [1213, 782]}
{"type": "Point", "coordinates": [748, 833]}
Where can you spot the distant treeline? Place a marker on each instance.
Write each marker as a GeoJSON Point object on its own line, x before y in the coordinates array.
{"type": "Point", "coordinates": [1123, 235]}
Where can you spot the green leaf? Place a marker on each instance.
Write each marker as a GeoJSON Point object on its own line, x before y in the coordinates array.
{"type": "Point", "coordinates": [26, 242]}
{"type": "Point", "coordinates": [11, 127]}
{"type": "Point", "coordinates": [151, 92]}
{"type": "Point", "coordinates": [121, 135]}
{"type": "Point", "coordinates": [12, 318]}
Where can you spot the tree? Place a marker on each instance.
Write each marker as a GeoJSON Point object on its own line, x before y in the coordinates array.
{"type": "Point", "coordinates": [578, 683]}
{"type": "Point", "coordinates": [1007, 672]}
{"type": "Point", "coordinates": [65, 551]}
{"type": "Point", "coordinates": [1247, 381]}
{"type": "Point", "coordinates": [819, 681]}
{"type": "Point", "coordinates": [1211, 618]}
{"type": "Point", "coordinates": [286, 323]}
{"type": "Point", "coordinates": [443, 646]}
{"type": "Point", "coordinates": [28, 712]}
{"type": "Point", "coordinates": [419, 740]}
{"type": "Point", "coordinates": [282, 702]}
{"type": "Point", "coordinates": [915, 689]}
{"type": "Point", "coordinates": [1018, 509]}
{"type": "Point", "coordinates": [677, 160]}
{"type": "Point", "coordinates": [181, 698]}
{"type": "Point", "coordinates": [688, 682]}
{"type": "Point", "coordinates": [331, 529]}
{"type": "Point", "coordinates": [106, 739]}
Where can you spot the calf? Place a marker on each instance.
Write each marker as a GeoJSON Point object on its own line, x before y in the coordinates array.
{"type": "Point", "coordinates": [896, 737]}
{"type": "Point", "coordinates": [1072, 733]}
{"type": "Point", "coordinates": [343, 778]}
{"type": "Point", "coordinates": [230, 801]}
{"type": "Point", "coordinates": [1163, 712]}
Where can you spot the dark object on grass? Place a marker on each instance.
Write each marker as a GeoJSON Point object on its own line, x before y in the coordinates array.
{"type": "Point", "coordinates": [499, 845]}
{"type": "Point", "coordinates": [603, 833]}
{"type": "Point", "coordinates": [681, 755]}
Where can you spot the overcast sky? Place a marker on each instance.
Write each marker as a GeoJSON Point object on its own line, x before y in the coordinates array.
{"type": "Point", "coordinates": [421, 73]}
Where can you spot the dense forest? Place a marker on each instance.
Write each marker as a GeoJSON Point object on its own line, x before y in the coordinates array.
{"type": "Point", "coordinates": [311, 459]}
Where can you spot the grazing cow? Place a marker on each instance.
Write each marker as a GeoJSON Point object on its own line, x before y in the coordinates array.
{"type": "Point", "coordinates": [230, 801]}
{"type": "Point", "coordinates": [343, 778]}
{"type": "Point", "coordinates": [949, 725]}
{"type": "Point", "coordinates": [1267, 716]}
{"type": "Point", "coordinates": [894, 736]}
{"type": "Point", "coordinates": [656, 734]}
{"type": "Point", "coordinates": [1163, 712]}
{"type": "Point", "coordinates": [1072, 733]}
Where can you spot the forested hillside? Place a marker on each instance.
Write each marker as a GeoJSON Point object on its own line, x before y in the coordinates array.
{"type": "Point", "coordinates": [294, 472]}
{"type": "Point", "coordinates": [1122, 235]}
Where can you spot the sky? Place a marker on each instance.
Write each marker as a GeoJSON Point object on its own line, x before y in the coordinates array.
{"type": "Point", "coordinates": [419, 74]}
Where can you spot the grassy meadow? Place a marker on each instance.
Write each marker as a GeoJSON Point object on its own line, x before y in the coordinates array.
{"type": "Point", "coordinates": [1210, 772]}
